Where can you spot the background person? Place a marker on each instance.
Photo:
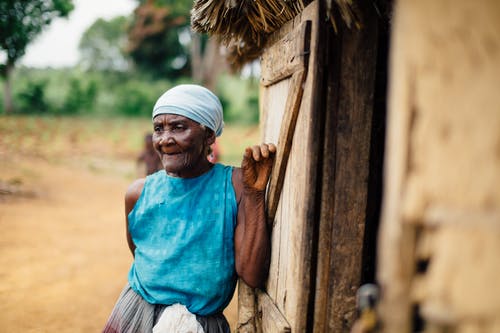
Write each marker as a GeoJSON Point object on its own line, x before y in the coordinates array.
{"type": "Point", "coordinates": [148, 161]}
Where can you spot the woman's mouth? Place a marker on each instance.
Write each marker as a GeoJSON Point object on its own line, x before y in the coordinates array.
{"type": "Point", "coordinates": [171, 152]}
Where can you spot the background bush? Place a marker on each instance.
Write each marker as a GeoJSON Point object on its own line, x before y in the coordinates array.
{"type": "Point", "coordinates": [31, 97]}
{"type": "Point", "coordinates": [75, 92]}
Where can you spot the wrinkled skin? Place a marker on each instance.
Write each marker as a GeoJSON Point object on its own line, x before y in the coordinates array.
{"type": "Point", "coordinates": [183, 147]}
{"type": "Point", "coordinates": [252, 237]}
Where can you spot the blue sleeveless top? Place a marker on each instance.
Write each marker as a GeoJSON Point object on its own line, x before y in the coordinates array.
{"type": "Point", "coordinates": [183, 230]}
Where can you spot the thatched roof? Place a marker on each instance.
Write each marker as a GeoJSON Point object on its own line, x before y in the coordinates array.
{"type": "Point", "coordinates": [244, 25]}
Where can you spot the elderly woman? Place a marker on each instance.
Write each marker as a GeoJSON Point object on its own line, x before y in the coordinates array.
{"type": "Point", "coordinates": [194, 226]}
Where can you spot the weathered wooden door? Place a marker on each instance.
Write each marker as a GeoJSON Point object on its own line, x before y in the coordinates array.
{"type": "Point", "coordinates": [317, 103]}
{"type": "Point", "coordinates": [289, 92]}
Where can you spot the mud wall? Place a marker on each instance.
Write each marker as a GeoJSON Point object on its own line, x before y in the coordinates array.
{"type": "Point", "coordinates": [439, 241]}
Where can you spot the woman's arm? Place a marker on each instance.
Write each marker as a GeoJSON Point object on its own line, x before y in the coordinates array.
{"type": "Point", "coordinates": [133, 193]}
{"type": "Point", "coordinates": [251, 239]}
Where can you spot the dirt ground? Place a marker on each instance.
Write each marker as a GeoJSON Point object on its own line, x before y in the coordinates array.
{"type": "Point", "coordinates": [64, 257]}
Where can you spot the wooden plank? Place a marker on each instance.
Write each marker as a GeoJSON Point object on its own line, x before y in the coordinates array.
{"type": "Point", "coordinates": [346, 166]}
{"type": "Point", "coordinates": [289, 286]}
{"type": "Point", "coordinates": [274, 97]}
{"type": "Point", "coordinates": [286, 56]}
{"type": "Point", "coordinates": [299, 210]}
{"type": "Point", "coordinates": [285, 141]}
{"type": "Point", "coordinates": [246, 308]}
{"type": "Point", "coordinates": [323, 271]}
{"type": "Point", "coordinates": [287, 251]}
{"type": "Point", "coordinates": [272, 320]}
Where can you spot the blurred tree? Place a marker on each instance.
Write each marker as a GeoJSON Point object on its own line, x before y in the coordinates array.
{"type": "Point", "coordinates": [102, 46]}
{"type": "Point", "coordinates": [156, 34]}
{"type": "Point", "coordinates": [162, 42]}
{"type": "Point", "coordinates": [207, 63]}
{"type": "Point", "coordinates": [20, 22]}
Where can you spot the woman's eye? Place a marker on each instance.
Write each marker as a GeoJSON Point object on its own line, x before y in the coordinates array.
{"type": "Point", "coordinates": [157, 128]}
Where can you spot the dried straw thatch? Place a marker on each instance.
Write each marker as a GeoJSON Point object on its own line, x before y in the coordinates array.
{"type": "Point", "coordinates": [244, 25]}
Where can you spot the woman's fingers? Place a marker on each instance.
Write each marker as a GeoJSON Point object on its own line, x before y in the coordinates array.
{"type": "Point", "coordinates": [261, 151]}
{"type": "Point", "coordinates": [256, 152]}
{"type": "Point", "coordinates": [248, 152]}
{"type": "Point", "coordinates": [257, 164]}
{"type": "Point", "coordinates": [264, 150]}
{"type": "Point", "coordinates": [271, 147]}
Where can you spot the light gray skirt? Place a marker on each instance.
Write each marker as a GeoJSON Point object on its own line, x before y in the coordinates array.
{"type": "Point", "coordinates": [132, 314]}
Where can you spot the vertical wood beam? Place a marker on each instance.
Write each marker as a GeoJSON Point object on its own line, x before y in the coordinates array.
{"type": "Point", "coordinates": [346, 165]}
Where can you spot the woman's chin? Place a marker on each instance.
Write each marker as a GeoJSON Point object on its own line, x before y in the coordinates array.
{"type": "Point", "coordinates": [173, 169]}
{"type": "Point", "coordinates": [179, 166]}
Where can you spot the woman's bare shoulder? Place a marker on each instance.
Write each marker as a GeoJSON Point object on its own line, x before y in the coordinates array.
{"type": "Point", "coordinates": [134, 192]}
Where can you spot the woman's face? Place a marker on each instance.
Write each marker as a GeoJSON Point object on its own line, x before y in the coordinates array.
{"type": "Point", "coordinates": [182, 145]}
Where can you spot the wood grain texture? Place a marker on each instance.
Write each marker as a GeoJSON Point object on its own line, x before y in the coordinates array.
{"type": "Point", "coordinates": [286, 56]}
{"type": "Point", "coordinates": [346, 156]}
{"type": "Point", "coordinates": [292, 108]}
{"type": "Point", "coordinates": [290, 275]}
{"type": "Point", "coordinates": [246, 309]}
{"type": "Point", "coordinates": [272, 320]}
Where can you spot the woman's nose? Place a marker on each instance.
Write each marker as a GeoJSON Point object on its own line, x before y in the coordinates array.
{"type": "Point", "coordinates": [166, 138]}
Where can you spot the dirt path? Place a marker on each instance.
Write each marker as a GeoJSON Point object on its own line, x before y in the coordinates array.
{"type": "Point", "coordinates": [63, 256]}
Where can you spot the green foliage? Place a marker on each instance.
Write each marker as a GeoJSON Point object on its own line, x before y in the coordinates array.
{"type": "Point", "coordinates": [135, 99]}
{"type": "Point", "coordinates": [240, 99]}
{"type": "Point", "coordinates": [176, 7]}
{"type": "Point", "coordinates": [75, 92]}
{"type": "Point", "coordinates": [154, 38]}
{"type": "Point", "coordinates": [21, 21]}
{"type": "Point", "coordinates": [179, 7]}
{"type": "Point", "coordinates": [81, 97]}
{"type": "Point", "coordinates": [32, 98]}
{"type": "Point", "coordinates": [102, 46]}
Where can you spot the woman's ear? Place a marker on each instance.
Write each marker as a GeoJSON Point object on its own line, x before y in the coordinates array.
{"type": "Point", "coordinates": [209, 137]}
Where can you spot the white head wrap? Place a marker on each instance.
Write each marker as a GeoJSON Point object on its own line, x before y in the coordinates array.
{"type": "Point", "coordinates": [194, 102]}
